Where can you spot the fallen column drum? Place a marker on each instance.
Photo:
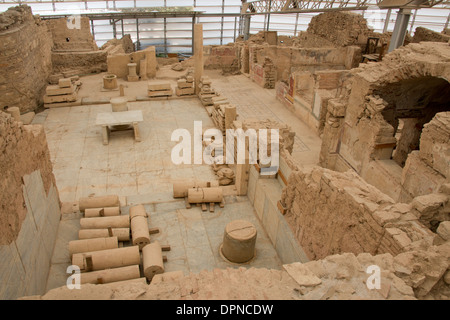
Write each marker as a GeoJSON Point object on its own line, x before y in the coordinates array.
{"type": "Point", "coordinates": [105, 222]}
{"type": "Point", "coordinates": [90, 245]}
{"type": "Point", "coordinates": [205, 195]}
{"type": "Point", "coordinates": [106, 259]}
{"type": "Point", "coordinates": [122, 234]}
{"type": "Point", "coordinates": [180, 188]}
{"type": "Point", "coordinates": [99, 202]}
{"type": "Point", "coordinates": [111, 275]}
{"type": "Point", "coordinates": [152, 260]}
{"type": "Point", "coordinates": [102, 212]}
{"type": "Point", "coordinates": [139, 226]}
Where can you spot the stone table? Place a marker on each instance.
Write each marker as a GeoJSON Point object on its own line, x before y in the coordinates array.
{"type": "Point", "coordinates": [107, 119]}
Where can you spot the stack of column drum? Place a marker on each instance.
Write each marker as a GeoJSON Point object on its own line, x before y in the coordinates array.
{"type": "Point", "coordinates": [198, 191]}
{"type": "Point", "coordinates": [99, 252]}
{"type": "Point", "coordinates": [181, 188]}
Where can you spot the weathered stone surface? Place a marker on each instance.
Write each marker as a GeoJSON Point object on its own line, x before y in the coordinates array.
{"type": "Point", "coordinates": [424, 34]}
{"type": "Point", "coordinates": [72, 39]}
{"type": "Point", "coordinates": [371, 95]}
{"type": "Point", "coordinates": [340, 28]}
{"type": "Point", "coordinates": [444, 230]}
{"type": "Point", "coordinates": [159, 85]}
{"type": "Point", "coordinates": [431, 205]}
{"type": "Point", "coordinates": [24, 67]}
{"type": "Point", "coordinates": [123, 45]}
{"type": "Point", "coordinates": [302, 275]}
{"type": "Point", "coordinates": [117, 63]}
{"type": "Point", "coordinates": [435, 143]}
{"type": "Point", "coordinates": [422, 270]}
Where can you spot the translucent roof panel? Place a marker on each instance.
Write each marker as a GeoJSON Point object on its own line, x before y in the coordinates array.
{"type": "Point", "coordinates": [217, 30]}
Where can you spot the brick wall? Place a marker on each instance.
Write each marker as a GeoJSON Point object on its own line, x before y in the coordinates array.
{"type": "Point", "coordinates": [331, 213]}
{"type": "Point", "coordinates": [74, 38]}
{"type": "Point", "coordinates": [29, 211]}
{"type": "Point", "coordinates": [25, 59]}
{"type": "Point", "coordinates": [221, 57]}
{"type": "Point", "coordinates": [424, 34]}
{"type": "Point", "coordinates": [341, 28]}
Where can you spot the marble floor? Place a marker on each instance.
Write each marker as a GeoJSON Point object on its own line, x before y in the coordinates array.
{"type": "Point", "coordinates": [143, 173]}
{"type": "Point", "coordinates": [83, 166]}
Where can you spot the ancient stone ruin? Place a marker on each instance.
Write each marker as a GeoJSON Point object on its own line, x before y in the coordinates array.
{"type": "Point", "coordinates": [273, 167]}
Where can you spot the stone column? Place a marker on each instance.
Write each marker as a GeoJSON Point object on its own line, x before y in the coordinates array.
{"type": "Point", "coordinates": [198, 55]}
{"type": "Point", "coordinates": [143, 69]}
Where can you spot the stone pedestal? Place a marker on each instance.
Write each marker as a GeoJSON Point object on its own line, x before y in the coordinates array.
{"type": "Point", "coordinates": [132, 75]}
{"type": "Point", "coordinates": [239, 241]}
{"type": "Point", "coordinates": [110, 81]}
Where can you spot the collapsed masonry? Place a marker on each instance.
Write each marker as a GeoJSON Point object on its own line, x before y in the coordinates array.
{"type": "Point", "coordinates": [386, 124]}
{"type": "Point", "coordinates": [424, 34]}
{"type": "Point", "coordinates": [377, 124]}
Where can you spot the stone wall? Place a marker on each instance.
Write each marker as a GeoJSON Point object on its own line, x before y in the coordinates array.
{"type": "Point", "coordinates": [340, 28]}
{"type": "Point", "coordinates": [76, 38]}
{"type": "Point", "coordinates": [360, 131]}
{"type": "Point", "coordinates": [435, 144]}
{"type": "Point", "coordinates": [309, 94]}
{"type": "Point", "coordinates": [251, 57]}
{"type": "Point", "coordinates": [221, 57]}
{"type": "Point", "coordinates": [30, 210]}
{"type": "Point", "coordinates": [74, 49]}
{"type": "Point", "coordinates": [331, 213]}
{"type": "Point", "coordinates": [25, 60]}
{"type": "Point", "coordinates": [290, 59]}
{"type": "Point", "coordinates": [427, 169]}
{"type": "Point", "coordinates": [424, 34]}
{"type": "Point", "coordinates": [79, 62]}
{"type": "Point", "coordinates": [117, 64]}
{"type": "Point", "coordinates": [116, 46]}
